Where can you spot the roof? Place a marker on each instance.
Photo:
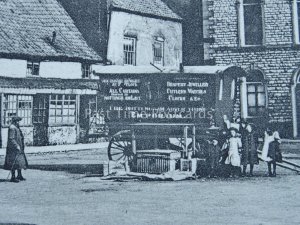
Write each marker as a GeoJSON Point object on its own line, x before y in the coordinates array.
{"type": "Point", "coordinates": [27, 28]}
{"type": "Point", "coordinates": [100, 69]}
{"type": "Point", "coordinates": [151, 8]}
{"type": "Point", "coordinates": [115, 69]}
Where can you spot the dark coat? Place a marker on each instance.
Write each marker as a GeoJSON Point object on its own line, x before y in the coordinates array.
{"type": "Point", "coordinates": [213, 156]}
{"type": "Point", "coordinates": [274, 151]}
{"type": "Point", "coordinates": [249, 150]}
{"type": "Point", "coordinates": [15, 156]}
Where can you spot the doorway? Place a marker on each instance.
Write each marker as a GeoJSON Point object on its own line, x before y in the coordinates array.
{"type": "Point", "coordinates": [40, 119]}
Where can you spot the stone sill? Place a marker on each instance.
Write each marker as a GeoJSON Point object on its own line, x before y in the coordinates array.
{"type": "Point", "coordinates": [260, 48]}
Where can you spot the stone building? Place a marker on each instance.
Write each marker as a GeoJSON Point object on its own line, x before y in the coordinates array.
{"type": "Point", "coordinates": [262, 37]}
{"type": "Point", "coordinates": [45, 66]}
{"type": "Point", "coordinates": [144, 33]}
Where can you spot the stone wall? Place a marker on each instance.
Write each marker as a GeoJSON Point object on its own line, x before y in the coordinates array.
{"type": "Point", "coordinates": [278, 58]}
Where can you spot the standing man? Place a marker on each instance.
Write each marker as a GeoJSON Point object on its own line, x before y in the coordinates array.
{"type": "Point", "coordinates": [15, 158]}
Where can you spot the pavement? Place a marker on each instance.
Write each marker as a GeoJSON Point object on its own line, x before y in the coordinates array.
{"type": "Point", "coordinates": [60, 148]}
{"type": "Point", "coordinates": [55, 198]}
{"type": "Point", "coordinates": [63, 196]}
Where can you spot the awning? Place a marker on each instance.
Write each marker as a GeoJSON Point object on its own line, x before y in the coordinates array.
{"type": "Point", "coordinates": [115, 69]}
{"type": "Point", "coordinates": [47, 85]}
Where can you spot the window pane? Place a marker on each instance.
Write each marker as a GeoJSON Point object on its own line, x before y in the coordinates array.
{"type": "Point", "coordinates": [260, 88]}
{"type": "Point", "coordinates": [251, 88]}
{"type": "Point", "coordinates": [251, 100]}
{"type": "Point", "coordinates": [261, 99]}
{"type": "Point", "coordinates": [253, 24]}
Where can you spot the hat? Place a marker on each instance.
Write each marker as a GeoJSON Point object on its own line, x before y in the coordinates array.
{"type": "Point", "coordinates": [233, 128]}
{"type": "Point", "coordinates": [16, 119]}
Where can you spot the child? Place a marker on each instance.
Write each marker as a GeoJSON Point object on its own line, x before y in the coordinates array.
{"type": "Point", "coordinates": [234, 146]}
{"type": "Point", "coordinates": [274, 153]}
{"type": "Point", "coordinates": [213, 157]}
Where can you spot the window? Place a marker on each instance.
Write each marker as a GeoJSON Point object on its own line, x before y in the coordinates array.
{"type": "Point", "coordinates": [86, 70]}
{"type": "Point", "coordinates": [33, 68]}
{"type": "Point", "coordinates": [296, 13]}
{"type": "Point", "coordinates": [62, 109]}
{"type": "Point", "coordinates": [251, 23]}
{"type": "Point", "coordinates": [158, 51]}
{"type": "Point", "coordinates": [256, 94]}
{"type": "Point", "coordinates": [17, 105]}
{"type": "Point", "coordinates": [96, 117]}
{"type": "Point", "coordinates": [129, 47]}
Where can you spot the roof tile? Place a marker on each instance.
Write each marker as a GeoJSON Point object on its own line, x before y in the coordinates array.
{"type": "Point", "coordinates": [148, 7]}
{"type": "Point", "coordinates": [26, 28]}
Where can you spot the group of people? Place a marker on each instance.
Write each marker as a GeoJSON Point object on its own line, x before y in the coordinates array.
{"type": "Point", "coordinates": [236, 148]}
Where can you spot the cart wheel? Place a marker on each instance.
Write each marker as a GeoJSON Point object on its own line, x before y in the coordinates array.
{"type": "Point", "coordinates": [120, 150]}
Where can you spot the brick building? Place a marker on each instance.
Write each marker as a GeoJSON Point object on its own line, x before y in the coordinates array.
{"type": "Point", "coordinates": [262, 37]}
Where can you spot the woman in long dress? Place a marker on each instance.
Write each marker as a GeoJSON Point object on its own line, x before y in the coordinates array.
{"type": "Point", "coordinates": [249, 151]}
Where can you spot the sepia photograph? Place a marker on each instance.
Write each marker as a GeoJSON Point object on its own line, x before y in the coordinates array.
{"type": "Point", "coordinates": [161, 112]}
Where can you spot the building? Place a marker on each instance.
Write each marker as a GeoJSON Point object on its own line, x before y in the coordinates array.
{"type": "Point", "coordinates": [262, 37]}
{"type": "Point", "coordinates": [45, 71]}
{"type": "Point", "coordinates": [130, 33]}
{"type": "Point", "coordinates": [141, 33]}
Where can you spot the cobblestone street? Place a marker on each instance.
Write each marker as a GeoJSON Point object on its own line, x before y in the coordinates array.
{"type": "Point", "coordinates": [48, 197]}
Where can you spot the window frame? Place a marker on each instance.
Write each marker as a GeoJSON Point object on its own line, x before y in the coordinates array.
{"type": "Point", "coordinates": [133, 52]}
{"type": "Point", "coordinates": [30, 71]}
{"type": "Point", "coordinates": [16, 103]}
{"type": "Point", "coordinates": [241, 24]}
{"type": "Point", "coordinates": [256, 93]}
{"type": "Point", "coordinates": [86, 70]}
{"type": "Point", "coordinates": [161, 41]}
{"type": "Point", "coordinates": [296, 22]}
{"type": "Point", "coordinates": [63, 100]}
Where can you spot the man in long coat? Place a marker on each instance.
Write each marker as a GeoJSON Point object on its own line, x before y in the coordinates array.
{"type": "Point", "coordinates": [15, 158]}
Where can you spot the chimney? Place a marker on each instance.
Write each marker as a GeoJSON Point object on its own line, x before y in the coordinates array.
{"type": "Point", "coordinates": [53, 37]}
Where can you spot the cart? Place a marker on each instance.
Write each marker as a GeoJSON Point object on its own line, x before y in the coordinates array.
{"type": "Point", "coordinates": [166, 115]}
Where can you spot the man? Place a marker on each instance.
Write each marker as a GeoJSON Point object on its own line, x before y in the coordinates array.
{"type": "Point", "coordinates": [15, 158]}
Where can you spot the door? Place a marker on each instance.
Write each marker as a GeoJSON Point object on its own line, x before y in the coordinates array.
{"type": "Point", "coordinates": [40, 119]}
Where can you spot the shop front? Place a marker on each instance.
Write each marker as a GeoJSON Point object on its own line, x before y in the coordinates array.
{"type": "Point", "coordinates": [49, 108]}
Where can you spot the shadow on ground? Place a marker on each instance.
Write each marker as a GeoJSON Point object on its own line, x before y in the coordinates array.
{"type": "Point", "coordinates": [96, 169]}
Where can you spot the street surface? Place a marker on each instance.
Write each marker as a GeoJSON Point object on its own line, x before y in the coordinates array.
{"type": "Point", "coordinates": [49, 197]}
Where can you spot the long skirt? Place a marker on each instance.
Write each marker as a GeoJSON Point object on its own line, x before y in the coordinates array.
{"type": "Point", "coordinates": [15, 161]}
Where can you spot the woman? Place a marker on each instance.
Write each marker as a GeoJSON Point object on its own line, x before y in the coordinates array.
{"type": "Point", "coordinates": [15, 158]}
{"type": "Point", "coordinates": [249, 151]}
{"type": "Point", "coordinates": [234, 146]}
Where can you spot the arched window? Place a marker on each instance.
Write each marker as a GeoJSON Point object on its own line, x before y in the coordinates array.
{"type": "Point", "coordinates": [256, 94]}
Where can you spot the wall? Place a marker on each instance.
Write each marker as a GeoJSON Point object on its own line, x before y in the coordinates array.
{"type": "Point", "coordinates": [17, 68]}
{"type": "Point", "coordinates": [13, 67]}
{"type": "Point", "coordinates": [62, 135]}
{"type": "Point", "coordinates": [278, 58]}
{"type": "Point", "coordinates": [65, 70]}
{"type": "Point", "coordinates": [146, 29]}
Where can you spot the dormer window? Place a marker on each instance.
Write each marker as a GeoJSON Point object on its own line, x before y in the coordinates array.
{"type": "Point", "coordinates": [86, 70]}
{"type": "Point", "coordinates": [158, 51]}
{"type": "Point", "coordinates": [33, 68]}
